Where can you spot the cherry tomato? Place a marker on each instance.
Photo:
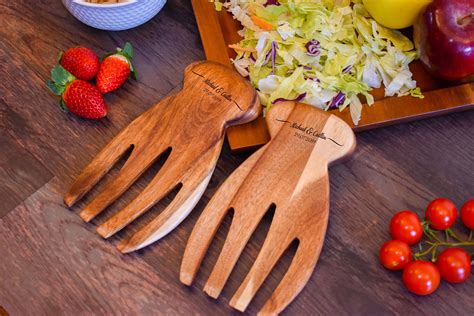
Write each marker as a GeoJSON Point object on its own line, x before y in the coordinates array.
{"type": "Point", "coordinates": [467, 214]}
{"type": "Point", "coordinates": [454, 265]}
{"type": "Point", "coordinates": [441, 213]}
{"type": "Point", "coordinates": [421, 277]}
{"type": "Point", "coordinates": [406, 226]}
{"type": "Point", "coordinates": [395, 255]}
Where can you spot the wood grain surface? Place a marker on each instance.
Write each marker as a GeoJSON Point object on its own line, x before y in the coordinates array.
{"type": "Point", "coordinates": [51, 262]}
{"type": "Point", "coordinates": [219, 29]}
{"type": "Point", "coordinates": [20, 172]}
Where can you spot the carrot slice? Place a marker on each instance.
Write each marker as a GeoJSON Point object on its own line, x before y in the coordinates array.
{"type": "Point", "coordinates": [264, 25]}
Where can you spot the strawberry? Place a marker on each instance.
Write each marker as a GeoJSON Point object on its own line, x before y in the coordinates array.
{"type": "Point", "coordinates": [82, 62]}
{"type": "Point", "coordinates": [78, 96]}
{"type": "Point", "coordinates": [84, 99]}
{"type": "Point", "coordinates": [115, 69]}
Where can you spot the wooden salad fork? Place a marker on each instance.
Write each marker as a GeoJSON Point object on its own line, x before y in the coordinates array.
{"type": "Point", "coordinates": [289, 173]}
{"type": "Point", "coordinates": [192, 125]}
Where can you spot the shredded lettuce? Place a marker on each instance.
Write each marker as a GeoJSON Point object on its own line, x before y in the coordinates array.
{"type": "Point", "coordinates": [416, 93]}
{"type": "Point", "coordinates": [331, 52]}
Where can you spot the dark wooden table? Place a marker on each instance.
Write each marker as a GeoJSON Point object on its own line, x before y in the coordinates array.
{"type": "Point", "coordinates": [53, 263]}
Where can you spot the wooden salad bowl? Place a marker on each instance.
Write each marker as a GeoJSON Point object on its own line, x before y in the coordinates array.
{"type": "Point", "coordinates": [218, 30]}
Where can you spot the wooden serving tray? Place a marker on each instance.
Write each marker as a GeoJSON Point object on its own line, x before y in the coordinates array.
{"type": "Point", "coordinates": [219, 29]}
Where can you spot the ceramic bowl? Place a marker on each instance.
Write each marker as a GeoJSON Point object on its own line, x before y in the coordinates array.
{"type": "Point", "coordinates": [115, 16]}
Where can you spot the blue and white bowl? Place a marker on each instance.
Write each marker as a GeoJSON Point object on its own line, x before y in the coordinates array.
{"type": "Point", "coordinates": [114, 16]}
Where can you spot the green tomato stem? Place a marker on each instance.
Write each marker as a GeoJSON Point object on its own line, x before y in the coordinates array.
{"type": "Point", "coordinates": [434, 247]}
{"type": "Point", "coordinates": [453, 234]}
{"type": "Point", "coordinates": [424, 253]}
{"type": "Point", "coordinates": [433, 254]}
{"type": "Point", "coordinates": [434, 241]}
{"type": "Point", "coordinates": [452, 244]}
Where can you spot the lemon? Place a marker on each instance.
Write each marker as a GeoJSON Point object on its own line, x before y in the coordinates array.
{"type": "Point", "coordinates": [395, 14]}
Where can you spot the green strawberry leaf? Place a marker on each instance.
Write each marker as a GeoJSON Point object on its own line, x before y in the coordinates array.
{"type": "Point", "coordinates": [60, 55]}
{"type": "Point", "coordinates": [56, 89]}
{"type": "Point", "coordinates": [63, 106]}
{"type": "Point", "coordinates": [126, 56]}
{"type": "Point", "coordinates": [128, 50]}
{"type": "Point", "coordinates": [61, 76]}
{"type": "Point", "coordinates": [133, 73]}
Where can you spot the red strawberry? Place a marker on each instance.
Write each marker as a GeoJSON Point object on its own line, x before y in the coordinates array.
{"type": "Point", "coordinates": [84, 100]}
{"type": "Point", "coordinates": [82, 62]}
{"type": "Point", "coordinates": [115, 69]}
{"type": "Point", "coordinates": [78, 96]}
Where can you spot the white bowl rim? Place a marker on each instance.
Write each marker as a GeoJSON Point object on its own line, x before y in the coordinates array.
{"type": "Point", "coordinates": [103, 5]}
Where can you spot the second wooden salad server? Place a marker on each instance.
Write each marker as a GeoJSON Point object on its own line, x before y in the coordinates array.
{"type": "Point", "coordinates": [192, 125]}
{"type": "Point", "coordinates": [289, 173]}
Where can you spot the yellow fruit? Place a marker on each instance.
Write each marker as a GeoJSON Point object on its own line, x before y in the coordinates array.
{"type": "Point", "coordinates": [395, 14]}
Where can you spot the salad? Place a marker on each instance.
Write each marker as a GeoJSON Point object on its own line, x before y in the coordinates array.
{"type": "Point", "coordinates": [327, 53]}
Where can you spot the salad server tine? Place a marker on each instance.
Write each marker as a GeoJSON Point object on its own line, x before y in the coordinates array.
{"type": "Point", "coordinates": [240, 232]}
{"type": "Point", "coordinates": [211, 218]}
{"type": "Point", "coordinates": [135, 166]}
{"type": "Point", "coordinates": [192, 188]}
{"type": "Point", "coordinates": [161, 225]}
{"type": "Point", "coordinates": [292, 283]}
{"type": "Point", "coordinates": [274, 246]}
{"type": "Point", "coordinates": [291, 173]}
{"type": "Point", "coordinates": [191, 125]}
{"type": "Point", "coordinates": [169, 177]}
{"type": "Point", "coordinates": [107, 158]}
{"type": "Point", "coordinates": [161, 185]}
{"type": "Point", "coordinates": [279, 238]}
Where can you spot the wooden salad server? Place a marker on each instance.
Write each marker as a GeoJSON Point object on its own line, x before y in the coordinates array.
{"type": "Point", "coordinates": [289, 173]}
{"type": "Point", "coordinates": [192, 125]}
